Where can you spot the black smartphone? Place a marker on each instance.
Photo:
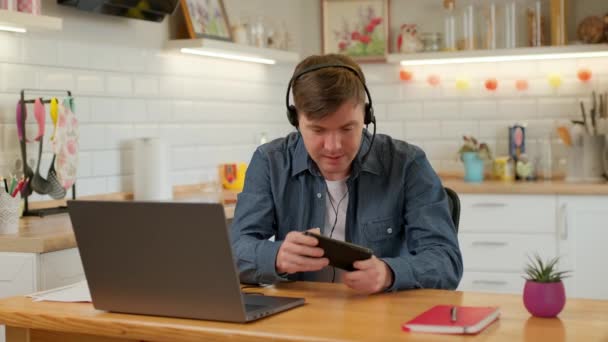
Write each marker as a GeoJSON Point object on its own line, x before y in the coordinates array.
{"type": "Point", "coordinates": [341, 254]}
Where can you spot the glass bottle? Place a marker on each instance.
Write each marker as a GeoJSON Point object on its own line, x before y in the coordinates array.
{"type": "Point", "coordinates": [487, 24]}
{"type": "Point", "coordinates": [510, 24]}
{"type": "Point", "coordinates": [467, 28]}
{"type": "Point", "coordinates": [558, 22]}
{"type": "Point", "coordinates": [449, 26]}
{"type": "Point", "coordinates": [258, 33]}
{"type": "Point", "coordinates": [535, 23]}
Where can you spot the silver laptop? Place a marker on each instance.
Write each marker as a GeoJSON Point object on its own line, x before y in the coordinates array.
{"type": "Point", "coordinates": [166, 259]}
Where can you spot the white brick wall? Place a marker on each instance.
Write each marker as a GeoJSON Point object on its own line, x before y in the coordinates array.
{"type": "Point", "coordinates": [213, 111]}
{"type": "Point", "coordinates": [210, 111]}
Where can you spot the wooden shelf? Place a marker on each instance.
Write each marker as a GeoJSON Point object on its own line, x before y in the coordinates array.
{"type": "Point", "coordinates": [528, 53]}
{"type": "Point", "coordinates": [30, 22]}
{"type": "Point", "coordinates": [204, 46]}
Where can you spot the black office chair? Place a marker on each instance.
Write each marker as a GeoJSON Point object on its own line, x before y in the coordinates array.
{"type": "Point", "coordinates": [454, 202]}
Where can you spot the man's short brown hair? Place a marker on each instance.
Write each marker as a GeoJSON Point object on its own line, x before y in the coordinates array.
{"type": "Point", "coordinates": [321, 92]}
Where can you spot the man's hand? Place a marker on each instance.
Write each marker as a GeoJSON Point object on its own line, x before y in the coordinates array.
{"type": "Point", "coordinates": [372, 276]}
{"type": "Point", "coordinates": [299, 254]}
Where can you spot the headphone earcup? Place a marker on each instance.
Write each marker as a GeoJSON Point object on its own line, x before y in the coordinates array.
{"type": "Point", "coordinates": [292, 115]}
{"type": "Point", "coordinates": [369, 114]}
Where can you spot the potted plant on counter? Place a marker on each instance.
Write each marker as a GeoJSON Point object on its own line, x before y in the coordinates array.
{"type": "Point", "coordinates": [544, 294]}
{"type": "Point", "coordinates": [474, 155]}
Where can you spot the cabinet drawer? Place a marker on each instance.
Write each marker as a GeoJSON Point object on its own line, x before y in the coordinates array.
{"type": "Point", "coordinates": [503, 252]}
{"type": "Point", "coordinates": [507, 213]}
{"type": "Point", "coordinates": [17, 274]}
{"type": "Point", "coordinates": [492, 282]}
{"type": "Point", "coordinates": [60, 268]}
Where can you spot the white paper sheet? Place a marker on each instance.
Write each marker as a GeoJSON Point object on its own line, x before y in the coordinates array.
{"type": "Point", "coordinates": [78, 292]}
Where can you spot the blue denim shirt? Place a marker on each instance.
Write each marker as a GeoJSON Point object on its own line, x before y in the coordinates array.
{"type": "Point", "coordinates": [397, 207]}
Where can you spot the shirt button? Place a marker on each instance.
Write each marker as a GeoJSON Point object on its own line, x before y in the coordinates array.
{"type": "Point", "coordinates": [319, 195]}
{"type": "Point", "coordinates": [389, 230]}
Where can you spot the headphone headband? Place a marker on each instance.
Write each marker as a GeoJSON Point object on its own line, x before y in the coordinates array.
{"type": "Point", "coordinates": [292, 114]}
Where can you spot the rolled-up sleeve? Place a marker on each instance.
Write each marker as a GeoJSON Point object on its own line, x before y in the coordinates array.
{"type": "Point", "coordinates": [253, 225]}
{"type": "Point", "coordinates": [431, 257]}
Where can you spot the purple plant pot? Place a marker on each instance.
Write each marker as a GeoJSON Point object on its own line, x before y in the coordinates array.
{"type": "Point", "coordinates": [544, 299]}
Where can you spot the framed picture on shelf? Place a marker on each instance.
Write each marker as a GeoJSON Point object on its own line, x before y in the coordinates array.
{"type": "Point", "coordinates": [357, 28]}
{"type": "Point", "coordinates": [206, 19]}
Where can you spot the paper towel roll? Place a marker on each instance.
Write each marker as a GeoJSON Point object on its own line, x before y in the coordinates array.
{"type": "Point", "coordinates": [151, 179]}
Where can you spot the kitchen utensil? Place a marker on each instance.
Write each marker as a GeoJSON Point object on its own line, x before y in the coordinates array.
{"type": "Point", "coordinates": [28, 173]}
{"type": "Point", "coordinates": [593, 112]}
{"type": "Point", "coordinates": [57, 191]}
{"type": "Point", "coordinates": [584, 117]}
{"type": "Point", "coordinates": [605, 112]}
{"type": "Point", "coordinates": [601, 109]}
{"type": "Point", "coordinates": [39, 184]}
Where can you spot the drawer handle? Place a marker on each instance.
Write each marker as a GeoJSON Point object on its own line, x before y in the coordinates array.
{"type": "Point", "coordinates": [489, 205]}
{"type": "Point", "coordinates": [489, 243]}
{"type": "Point", "coordinates": [490, 282]}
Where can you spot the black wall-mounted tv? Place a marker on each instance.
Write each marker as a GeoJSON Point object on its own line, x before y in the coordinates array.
{"type": "Point", "coordinates": [151, 10]}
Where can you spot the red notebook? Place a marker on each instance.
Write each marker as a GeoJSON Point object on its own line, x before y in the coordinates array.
{"type": "Point", "coordinates": [439, 319]}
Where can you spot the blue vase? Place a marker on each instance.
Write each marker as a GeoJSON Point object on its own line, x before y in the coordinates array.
{"type": "Point", "coordinates": [473, 167]}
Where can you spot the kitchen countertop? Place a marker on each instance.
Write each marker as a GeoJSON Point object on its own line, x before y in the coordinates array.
{"type": "Point", "coordinates": [54, 232]}
{"type": "Point", "coordinates": [558, 187]}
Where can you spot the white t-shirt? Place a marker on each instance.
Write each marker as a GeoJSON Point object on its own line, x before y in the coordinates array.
{"type": "Point", "coordinates": [336, 204]}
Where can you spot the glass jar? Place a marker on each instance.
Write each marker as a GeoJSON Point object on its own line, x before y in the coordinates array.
{"type": "Point", "coordinates": [431, 41]}
{"type": "Point", "coordinates": [449, 26]}
{"type": "Point", "coordinates": [466, 39]}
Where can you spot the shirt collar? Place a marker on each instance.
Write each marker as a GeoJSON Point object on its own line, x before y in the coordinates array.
{"type": "Point", "coordinates": [301, 160]}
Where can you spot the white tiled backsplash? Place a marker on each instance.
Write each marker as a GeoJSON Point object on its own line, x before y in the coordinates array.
{"type": "Point", "coordinates": [213, 111]}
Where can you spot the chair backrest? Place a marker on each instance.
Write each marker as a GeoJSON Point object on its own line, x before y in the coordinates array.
{"type": "Point", "coordinates": [454, 206]}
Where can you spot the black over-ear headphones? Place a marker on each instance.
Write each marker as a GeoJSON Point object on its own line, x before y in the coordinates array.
{"type": "Point", "coordinates": [292, 113]}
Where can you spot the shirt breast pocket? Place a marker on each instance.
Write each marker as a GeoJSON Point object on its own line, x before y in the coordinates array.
{"type": "Point", "coordinates": [384, 235]}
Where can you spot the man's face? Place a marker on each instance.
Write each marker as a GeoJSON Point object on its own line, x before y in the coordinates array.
{"type": "Point", "coordinates": [333, 141]}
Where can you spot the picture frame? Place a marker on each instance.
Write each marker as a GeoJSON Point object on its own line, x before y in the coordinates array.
{"type": "Point", "coordinates": [206, 19]}
{"type": "Point", "coordinates": [357, 28]}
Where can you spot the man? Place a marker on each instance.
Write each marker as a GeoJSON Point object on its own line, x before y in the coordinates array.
{"type": "Point", "coordinates": [333, 176]}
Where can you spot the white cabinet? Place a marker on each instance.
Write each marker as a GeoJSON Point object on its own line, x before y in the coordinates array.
{"type": "Point", "coordinates": [18, 274]}
{"type": "Point", "coordinates": [24, 273]}
{"type": "Point", "coordinates": [497, 233]}
{"type": "Point", "coordinates": [583, 244]}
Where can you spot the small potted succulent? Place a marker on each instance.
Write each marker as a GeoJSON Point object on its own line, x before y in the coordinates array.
{"type": "Point", "coordinates": [544, 294]}
{"type": "Point", "coordinates": [474, 154]}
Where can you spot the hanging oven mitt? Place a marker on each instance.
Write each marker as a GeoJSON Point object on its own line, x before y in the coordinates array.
{"type": "Point", "coordinates": [66, 144]}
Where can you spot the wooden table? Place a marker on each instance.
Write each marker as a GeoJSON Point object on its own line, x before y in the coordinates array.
{"type": "Point", "coordinates": [332, 313]}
